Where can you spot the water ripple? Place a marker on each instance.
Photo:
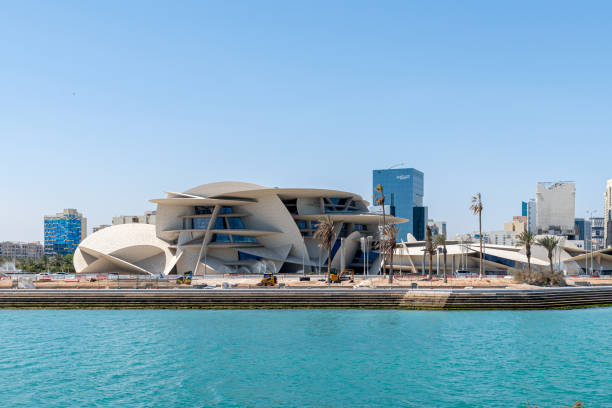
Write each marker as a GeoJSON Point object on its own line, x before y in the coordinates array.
{"type": "Point", "coordinates": [309, 358]}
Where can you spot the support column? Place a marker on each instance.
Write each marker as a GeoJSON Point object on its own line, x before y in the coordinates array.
{"type": "Point", "coordinates": [207, 236]}
{"type": "Point", "coordinates": [423, 264]}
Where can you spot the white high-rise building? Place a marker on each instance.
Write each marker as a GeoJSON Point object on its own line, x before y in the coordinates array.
{"type": "Point", "coordinates": [555, 208]}
{"type": "Point", "coordinates": [608, 215]}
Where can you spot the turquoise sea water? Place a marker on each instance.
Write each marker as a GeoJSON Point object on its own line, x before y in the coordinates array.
{"type": "Point", "coordinates": [310, 358]}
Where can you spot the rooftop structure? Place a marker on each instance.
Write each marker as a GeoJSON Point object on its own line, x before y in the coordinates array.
{"type": "Point", "coordinates": [147, 218]}
{"type": "Point", "coordinates": [64, 231]}
{"type": "Point", "coordinates": [463, 254]}
{"type": "Point", "coordinates": [555, 208]}
{"type": "Point", "coordinates": [100, 227]}
{"type": "Point", "coordinates": [233, 227]}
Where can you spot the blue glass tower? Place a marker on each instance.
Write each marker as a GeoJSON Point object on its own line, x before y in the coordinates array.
{"type": "Point", "coordinates": [64, 232]}
{"type": "Point", "coordinates": [404, 190]}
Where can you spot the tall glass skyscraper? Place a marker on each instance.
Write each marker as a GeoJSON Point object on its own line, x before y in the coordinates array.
{"type": "Point", "coordinates": [404, 190]}
{"type": "Point", "coordinates": [64, 231]}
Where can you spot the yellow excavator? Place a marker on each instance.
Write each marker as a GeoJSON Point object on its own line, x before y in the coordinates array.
{"type": "Point", "coordinates": [185, 279]}
{"type": "Point", "coordinates": [268, 280]}
{"type": "Point", "coordinates": [335, 277]}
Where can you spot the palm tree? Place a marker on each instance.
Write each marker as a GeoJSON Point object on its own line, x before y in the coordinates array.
{"type": "Point", "coordinates": [430, 249]}
{"type": "Point", "coordinates": [549, 243]}
{"type": "Point", "coordinates": [440, 241]}
{"type": "Point", "coordinates": [68, 263]}
{"type": "Point", "coordinates": [526, 239]}
{"type": "Point", "coordinates": [379, 199]}
{"type": "Point", "coordinates": [57, 262]}
{"type": "Point", "coordinates": [476, 209]}
{"type": "Point", "coordinates": [326, 236]}
{"type": "Point", "coordinates": [386, 245]}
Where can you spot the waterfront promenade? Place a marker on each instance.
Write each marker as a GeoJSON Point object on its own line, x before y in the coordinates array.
{"type": "Point", "coordinates": [320, 298]}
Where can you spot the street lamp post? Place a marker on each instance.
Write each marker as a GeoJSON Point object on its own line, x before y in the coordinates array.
{"type": "Point", "coordinates": [589, 239]}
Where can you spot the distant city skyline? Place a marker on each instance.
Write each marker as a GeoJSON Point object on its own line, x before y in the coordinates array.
{"type": "Point", "coordinates": [105, 105]}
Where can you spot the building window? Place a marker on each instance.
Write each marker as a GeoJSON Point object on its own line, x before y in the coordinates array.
{"type": "Point", "coordinates": [221, 238]}
{"type": "Point", "coordinates": [248, 257]}
{"type": "Point", "coordinates": [235, 223]}
{"type": "Point", "coordinates": [219, 223]}
{"type": "Point", "coordinates": [200, 223]}
{"type": "Point", "coordinates": [291, 205]}
{"type": "Point", "coordinates": [203, 210]}
{"type": "Point", "coordinates": [244, 239]}
{"type": "Point", "coordinates": [227, 210]}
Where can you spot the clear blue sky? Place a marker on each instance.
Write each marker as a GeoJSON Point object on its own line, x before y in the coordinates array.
{"type": "Point", "coordinates": [105, 105]}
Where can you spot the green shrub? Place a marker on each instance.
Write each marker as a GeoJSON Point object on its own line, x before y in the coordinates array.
{"type": "Point", "coordinates": [539, 277]}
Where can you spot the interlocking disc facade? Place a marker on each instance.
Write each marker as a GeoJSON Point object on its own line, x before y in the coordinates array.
{"type": "Point", "coordinates": [233, 227]}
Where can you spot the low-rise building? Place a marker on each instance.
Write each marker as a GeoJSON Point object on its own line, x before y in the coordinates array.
{"type": "Point", "coordinates": [518, 224]}
{"type": "Point", "coordinates": [507, 238]}
{"type": "Point", "coordinates": [147, 218]}
{"type": "Point", "coordinates": [21, 250]}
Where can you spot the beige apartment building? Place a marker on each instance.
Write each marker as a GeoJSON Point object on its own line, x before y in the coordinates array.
{"type": "Point", "coordinates": [20, 250]}
{"type": "Point", "coordinates": [147, 218]}
{"type": "Point", "coordinates": [518, 224]}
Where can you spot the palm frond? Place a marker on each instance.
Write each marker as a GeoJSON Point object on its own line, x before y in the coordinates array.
{"type": "Point", "coordinates": [476, 206]}
{"type": "Point", "coordinates": [548, 242]}
{"type": "Point", "coordinates": [525, 239]}
{"type": "Point", "coordinates": [325, 232]}
{"type": "Point", "coordinates": [386, 241]}
{"type": "Point", "coordinates": [440, 240]}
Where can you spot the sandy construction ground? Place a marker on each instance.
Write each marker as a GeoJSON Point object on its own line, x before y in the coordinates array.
{"type": "Point", "coordinates": [293, 281]}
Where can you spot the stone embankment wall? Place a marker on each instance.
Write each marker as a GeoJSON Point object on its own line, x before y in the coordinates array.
{"type": "Point", "coordinates": [309, 298]}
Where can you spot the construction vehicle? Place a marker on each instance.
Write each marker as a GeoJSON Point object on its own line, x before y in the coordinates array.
{"type": "Point", "coordinates": [268, 280]}
{"type": "Point", "coordinates": [339, 277]}
{"type": "Point", "coordinates": [185, 279]}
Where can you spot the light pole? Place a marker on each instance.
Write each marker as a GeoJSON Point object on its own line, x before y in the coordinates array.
{"type": "Point", "coordinates": [368, 246]}
{"type": "Point", "coordinates": [589, 240]}
{"type": "Point", "coordinates": [362, 241]}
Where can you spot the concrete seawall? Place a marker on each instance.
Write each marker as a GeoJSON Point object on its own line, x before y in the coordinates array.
{"type": "Point", "coordinates": [462, 299]}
